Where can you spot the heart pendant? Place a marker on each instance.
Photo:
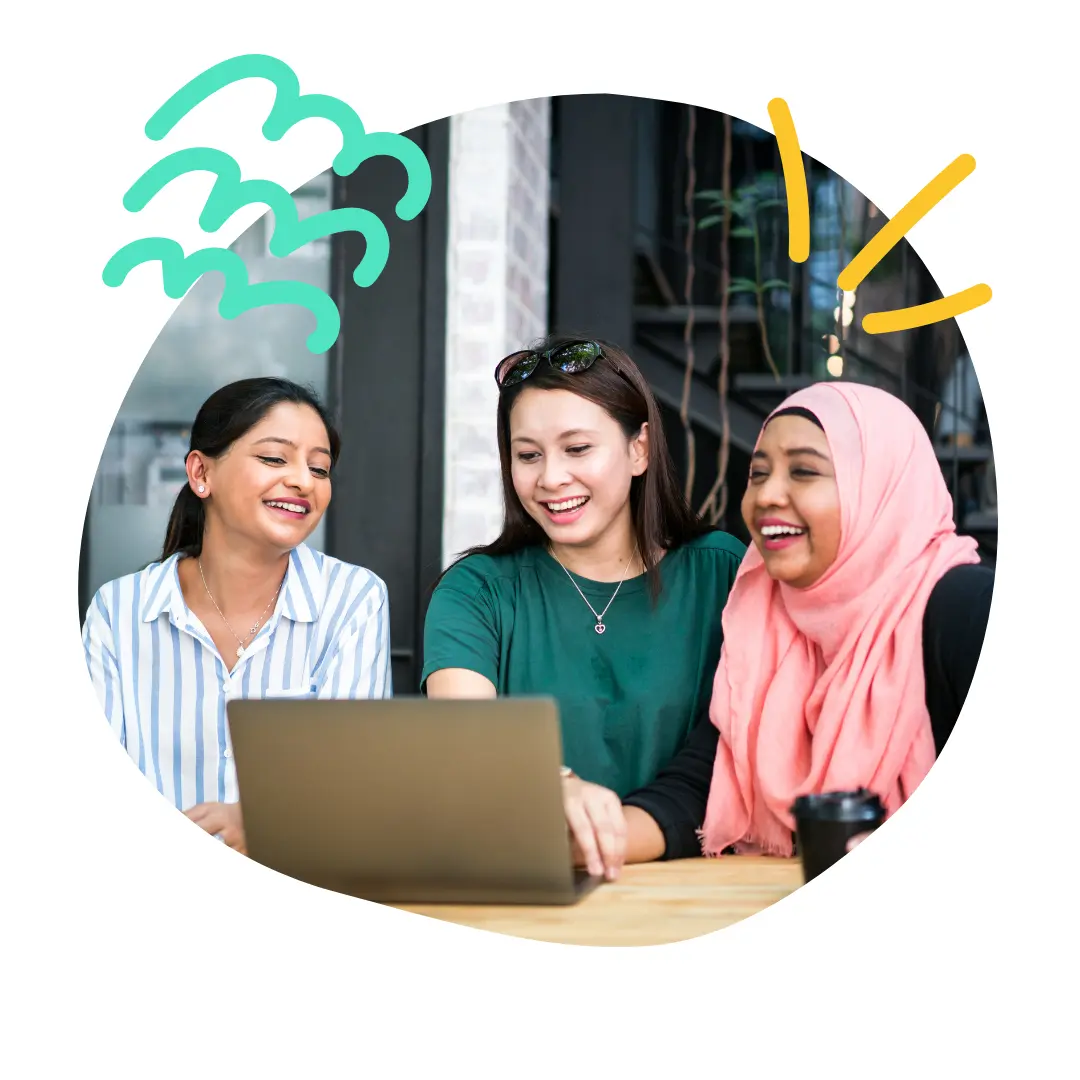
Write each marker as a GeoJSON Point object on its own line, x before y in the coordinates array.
{"type": "Point", "coordinates": [600, 627]}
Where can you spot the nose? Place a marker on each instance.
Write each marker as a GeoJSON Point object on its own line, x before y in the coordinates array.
{"type": "Point", "coordinates": [299, 478]}
{"type": "Point", "coordinates": [772, 491]}
{"type": "Point", "coordinates": [553, 473]}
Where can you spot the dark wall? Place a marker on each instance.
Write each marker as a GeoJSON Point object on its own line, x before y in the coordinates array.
{"type": "Point", "coordinates": [387, 388]}
{"type": "Point", "coordinates": [593, 274]}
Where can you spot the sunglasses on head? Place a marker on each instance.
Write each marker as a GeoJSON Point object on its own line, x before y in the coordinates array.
{"type": "Point", "coordinates": [572, 358]}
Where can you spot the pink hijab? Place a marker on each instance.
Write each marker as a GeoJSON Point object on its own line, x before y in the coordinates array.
{"type": "Point", "coordinates": [822, 689]}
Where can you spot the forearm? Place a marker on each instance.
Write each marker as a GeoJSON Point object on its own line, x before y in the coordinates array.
{"type": "Point", "coordinates": [670, 810]}
{"type": "Point", "coordinates": [644, 840]}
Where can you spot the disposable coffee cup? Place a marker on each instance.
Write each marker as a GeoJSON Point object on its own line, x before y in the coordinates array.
{"type": "Point", "coordinates": [825, 823]}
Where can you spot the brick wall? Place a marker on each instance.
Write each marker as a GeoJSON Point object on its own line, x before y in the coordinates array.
{"type": "Point", "coordinates": [497, 263]}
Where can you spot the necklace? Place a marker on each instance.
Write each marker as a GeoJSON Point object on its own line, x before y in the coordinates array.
{"type": "Point", "coordinates": [600, 627]}
{"type": "Point", "coordinates": [258, 622]}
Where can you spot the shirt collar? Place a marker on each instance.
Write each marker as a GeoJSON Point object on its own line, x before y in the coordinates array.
{"type": "Point", "coordinates": [305, 586]}
{"type": "Point", "coordinates": [301, 599]}
{"type": "Point", "coordinates": [162, 586]}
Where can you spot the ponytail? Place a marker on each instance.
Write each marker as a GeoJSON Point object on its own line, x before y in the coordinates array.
{"type": "Point", "coordinates": [185, 529]}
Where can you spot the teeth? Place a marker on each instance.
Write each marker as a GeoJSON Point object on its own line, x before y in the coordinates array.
{"type": "Point", "coordinates": [294, 507]}
{"type": "Point", "coordinates": [781, 530]}
{"type": "Point", "coordinates": [569, 504]}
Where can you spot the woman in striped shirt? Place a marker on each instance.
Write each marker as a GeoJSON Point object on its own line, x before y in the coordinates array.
{"type": "Point", "coordinates": [237, 605]}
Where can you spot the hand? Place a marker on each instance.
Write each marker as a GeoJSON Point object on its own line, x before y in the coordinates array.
{"type": "Point", "coordinates": [856, 840]}
{"type": "Point", "coordinates": [597, 827]}
{"type": "Point", "coordinates": [220, 819]}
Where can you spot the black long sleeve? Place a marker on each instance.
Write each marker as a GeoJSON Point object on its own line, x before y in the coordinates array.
{"type": "Point", "coordinates": [953, 630]}
{"type": "Point", "coordinates": [676, 799]}
{"type": "Point", "coordinates": [954, 626]}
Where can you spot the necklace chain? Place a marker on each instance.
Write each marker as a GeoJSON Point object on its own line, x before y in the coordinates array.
{"type": "Point", "coordinates": [600, 627]}
{"type": "Point", "coordinates": [258, 622]}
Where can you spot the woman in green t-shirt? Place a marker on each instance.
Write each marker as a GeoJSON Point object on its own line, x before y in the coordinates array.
{"type": "Point", "coordinates": [603, 589]}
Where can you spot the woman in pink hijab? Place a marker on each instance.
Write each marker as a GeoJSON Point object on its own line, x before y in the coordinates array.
{"type": "Point", "coordinates": [850, 636]}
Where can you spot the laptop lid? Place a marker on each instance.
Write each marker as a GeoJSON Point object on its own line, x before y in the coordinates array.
{"type": "Point", "coordinates": [407, 799]}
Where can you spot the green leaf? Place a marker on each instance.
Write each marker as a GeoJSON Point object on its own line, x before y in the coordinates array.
{"type": "Point", "coordinates": [776, 283]}
{"type": "Point", "coordinates": [766, 203]}
{"type": "Point", "coordinates": [743, 283]}
{"type": "Point", "coordinates": [710, 194]}
{"type": "Point", "coordinates": [708, 222]}
{"type": "Point", "coordinates": [742, 232]}
{"type": "Point", "coordinates": [747, 287]}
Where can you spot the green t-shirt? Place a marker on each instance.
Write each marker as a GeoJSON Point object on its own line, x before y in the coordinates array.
{"type": "Point", "coordinates": [627, 698]}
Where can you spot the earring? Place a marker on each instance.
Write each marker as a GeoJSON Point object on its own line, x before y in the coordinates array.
{"type": "Point", "coordinates": [201, 489]}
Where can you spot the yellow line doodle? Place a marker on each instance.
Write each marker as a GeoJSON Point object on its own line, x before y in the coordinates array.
{"type": "Point", "coordinates": [948, 307]}
{"type": "Point", "coordinates": [794, 181]}
{"type": "Point", "coordinates": [891, 233]}
{"type": "Point", "coordinates": [894, 230]}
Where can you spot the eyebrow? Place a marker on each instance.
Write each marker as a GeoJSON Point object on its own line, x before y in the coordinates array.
{"type": "Point", "coordinates": [761, 455]}
{"type": "Point", "coordinates": [289, 442]}
{"type": "Point", "coordinates": [564, 435]}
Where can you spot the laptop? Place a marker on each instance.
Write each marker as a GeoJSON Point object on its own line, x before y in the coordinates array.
{"type": "Point", "coordinates": [408, 800]}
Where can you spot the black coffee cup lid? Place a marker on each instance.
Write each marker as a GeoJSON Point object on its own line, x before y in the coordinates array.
{"type": "Point", "coordinates": [859, 805]}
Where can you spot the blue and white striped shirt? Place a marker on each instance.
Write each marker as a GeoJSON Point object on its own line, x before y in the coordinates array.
{"type": "Point", "coordinates": [164, 685]}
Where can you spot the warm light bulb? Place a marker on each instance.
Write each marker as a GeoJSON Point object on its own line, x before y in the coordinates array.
{"type": "Point", "coordinates": [835, 365]}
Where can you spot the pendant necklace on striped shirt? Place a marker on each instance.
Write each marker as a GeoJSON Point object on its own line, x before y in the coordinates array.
{"type": "Point", "coordinates": [258, 622]}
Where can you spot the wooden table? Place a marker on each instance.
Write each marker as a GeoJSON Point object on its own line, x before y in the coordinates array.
{"type": "Point", "coordinates": [650, 904]}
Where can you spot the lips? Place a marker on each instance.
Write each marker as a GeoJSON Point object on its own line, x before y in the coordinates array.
{"type": "Point", "coordinates": [566, 506]}
{"type": "Point", "coordinates": [776, 535]}
{"type": "Point", "coordinates": [296, 509]}
{"type": "Point", "coordinates": [566, 511]}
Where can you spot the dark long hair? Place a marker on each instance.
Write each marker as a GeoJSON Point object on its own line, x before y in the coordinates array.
{"type": "Point", "coordinates": [225, 416]}
{"type": "Point", "coordinates": [659, 512]}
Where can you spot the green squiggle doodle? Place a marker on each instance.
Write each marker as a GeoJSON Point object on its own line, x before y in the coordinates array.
{"type": "Point", "coordinates": [290, 107]}
{"type": "Point", "coordinates": [230, 193]}
{"type": "Point", "coordinates": [179, 273]}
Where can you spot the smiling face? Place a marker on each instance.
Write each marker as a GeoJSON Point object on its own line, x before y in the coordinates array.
{"type": "Point", "coordinates": [572, 465]}
{"type": "Point", "coordinates": [272, 486]}
{"type": "Point", "coordinates": [792, 503]}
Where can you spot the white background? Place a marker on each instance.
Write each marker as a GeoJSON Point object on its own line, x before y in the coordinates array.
{"type": "Point", "coordinates": [137, 946]}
